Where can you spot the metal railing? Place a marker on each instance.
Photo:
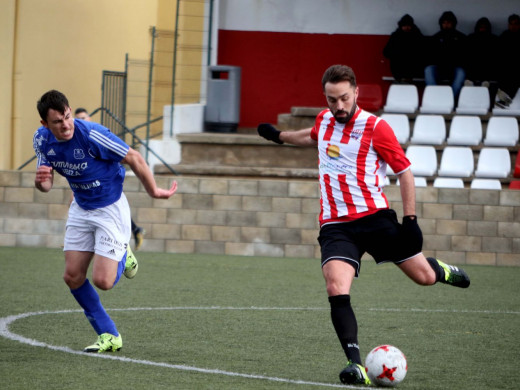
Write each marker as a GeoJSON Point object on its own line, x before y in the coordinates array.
{"type": "Point", "coordinates": [136, 140]}
{"type": "Point", "coordinates": [175, 73]}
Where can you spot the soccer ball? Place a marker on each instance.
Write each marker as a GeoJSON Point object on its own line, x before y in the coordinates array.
{"type": "Point", "coordinates": [386, 366]}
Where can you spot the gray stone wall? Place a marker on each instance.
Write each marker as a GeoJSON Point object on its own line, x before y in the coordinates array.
{"type": "Point", "coordinates": [266, 217]}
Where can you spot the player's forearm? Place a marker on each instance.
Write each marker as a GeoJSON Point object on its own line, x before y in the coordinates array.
{"type": "Point", "coordinates": [407, 187]}
{"type": "Point", "coordinates": [298, 137]}
{"type": "Point", "coordinates": [145, 175]}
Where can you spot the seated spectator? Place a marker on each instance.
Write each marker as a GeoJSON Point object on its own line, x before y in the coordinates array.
{"type": "Point", "coordinates": [509, 63]}
{"type": "Point", "coordinates": [446, 55]}
{"type": "Point", "coordinates": [404, 50]}
{"type": "Point", "coordinates": [481, 55]}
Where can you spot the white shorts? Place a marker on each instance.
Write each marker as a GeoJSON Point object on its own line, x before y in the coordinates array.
{"type": "Point", "coordinates": [105, 231]}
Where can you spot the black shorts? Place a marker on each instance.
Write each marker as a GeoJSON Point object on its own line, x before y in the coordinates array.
{"type": "Point", "coordinates": [379, 234]}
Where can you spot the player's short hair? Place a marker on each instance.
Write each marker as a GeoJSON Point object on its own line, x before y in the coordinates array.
{"type": "Point", "coordinates": [80, 110]}
{"type": "Point", "coordinates": [52, 100]}
{"type": "Point", "coordinates": [338, 73]}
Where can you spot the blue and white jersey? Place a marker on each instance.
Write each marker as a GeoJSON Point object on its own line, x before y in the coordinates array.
{"type": "Point", "coordinates": [90, 162]}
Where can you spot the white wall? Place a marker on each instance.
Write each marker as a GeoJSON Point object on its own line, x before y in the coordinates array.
{"type": "Point", "coordinates": [358, 16]}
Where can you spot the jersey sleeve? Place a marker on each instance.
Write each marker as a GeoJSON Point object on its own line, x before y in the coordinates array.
{"type": "Point", "coordinates": [386, 145]}
{"type": "Point", "coordinates": [38, 140]}
{"type": "Point", "coordinates": [106, 145]}
{"type": "Point", "coordinates": [316, 128]}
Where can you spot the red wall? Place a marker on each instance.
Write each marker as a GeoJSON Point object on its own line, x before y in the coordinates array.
{"type": "Point", "coordinates": [281, 70]}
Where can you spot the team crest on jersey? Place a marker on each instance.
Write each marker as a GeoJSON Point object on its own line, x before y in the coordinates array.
{"type": "Point", "coordinates": [333, 151]}
{"type": "Point", "coordinates": [356, 134]}
{"type": "Point", "coordinates": [79, 154]}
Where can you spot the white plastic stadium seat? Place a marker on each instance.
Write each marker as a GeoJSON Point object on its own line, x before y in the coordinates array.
{"type": "Point", "coordinates": [465, 130]}
{"type": "Point", "coordinates": [402, 98]}
{"type": "Point", "coordinates": [457, 161]}
{"type": "Point", "coordinates": [429, 130]}
{"type": "Point", "coordinates": [486, 184]}
{"type": "Point", "coordinates": [501, 131]}
{"type": "Point", "coordinates": [418, 181]}
{"type": "Point", "coordinates": [423, 159]}
{"type": "Point", "coordinates": [437, 99]}
{"type": "Point", "coordinates": [493, 163]}
{"type": "Point", "coordinates": [448, 182]}
{"type": "Point", "coordinates": [473, 101]}
{"type": "Point", "coordinates": [400, 124]}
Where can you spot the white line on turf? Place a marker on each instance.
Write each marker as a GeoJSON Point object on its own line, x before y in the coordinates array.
{"type": "Point", "coordinates": [6, 333]}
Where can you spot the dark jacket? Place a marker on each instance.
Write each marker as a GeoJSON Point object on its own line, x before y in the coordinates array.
{"type": "Point", "coordinates": [481, 56]}
{"type": "Point", "coordinates": [446, 50]}
{"type": "Point", "coordinates": [405, 52]}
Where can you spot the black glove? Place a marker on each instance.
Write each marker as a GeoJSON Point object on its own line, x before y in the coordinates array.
{"type": "Point", "coordinates": [412, 232]}
{"type": "Point", "coordinates": [269, 132]}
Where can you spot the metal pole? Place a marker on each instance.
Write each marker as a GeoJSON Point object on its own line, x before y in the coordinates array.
{"type": "Point", "coordinates": [174, 68]}
{"type": "Point", "coordinates": [123, 116]}
{"type": "Point", "coordinates": [210, 27]}
{"type": "Point", "coordinates": [149, 108]}
{"type": "Point", "coordinates": [102, 95]}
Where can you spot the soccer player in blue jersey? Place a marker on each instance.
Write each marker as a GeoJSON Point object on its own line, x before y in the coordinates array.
{"type": "Point", "coordinates": [98, 229]}
{"type": "Point", "coordinates": [137, 231]}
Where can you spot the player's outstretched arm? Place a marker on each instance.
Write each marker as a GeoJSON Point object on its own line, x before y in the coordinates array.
{"type": "Point", "coordinates": [407, 187]}
{"type": "Point", "coordinates": [44, 178]}
{"type": "Point", "coordinates": [296, 137]}
{"type": "Point", "coordinates": [143, 172]}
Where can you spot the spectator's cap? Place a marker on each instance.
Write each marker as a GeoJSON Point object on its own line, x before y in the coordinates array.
{"type": "Point", "coordinates": [406, 20]}
{"type": "Point", "coordinates": [483, 22]}
{"type": "Point", "coordinates": [448, 16]}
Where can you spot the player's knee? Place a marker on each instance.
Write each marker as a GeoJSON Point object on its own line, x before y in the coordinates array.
{"type": "Point", "coordinates": [335, 287]}
{"type": "Point", "coordinates": [425, 279]}
{"type": "Point", "coordinates": [73, 281]}
{"type": "Point", "coordinates": [103, 282]}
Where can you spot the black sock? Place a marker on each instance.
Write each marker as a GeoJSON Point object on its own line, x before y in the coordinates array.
{"type": "Point", "coordinates": [345, 324]}
{"type": "Point", "coordinates": [439, 271]}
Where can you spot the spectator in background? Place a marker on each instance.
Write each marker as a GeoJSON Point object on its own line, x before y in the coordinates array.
{"type": "Point", "coordinates": [509, 63]}
{"type": "Point", "coordinates": [404, 50]}
{"type": "Point", "coordinates": [137, 231]}
{"type": "Point", "coordinates": [481, 57]}
{"type": "Point", "coordinates": [446, 55]}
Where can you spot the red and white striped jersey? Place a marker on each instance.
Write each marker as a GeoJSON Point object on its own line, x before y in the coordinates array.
{"type": "Point", "coordinates": [352, 164]}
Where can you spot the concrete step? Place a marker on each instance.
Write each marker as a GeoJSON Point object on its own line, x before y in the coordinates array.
{"type": "Point", "coordinates": [241, 155]}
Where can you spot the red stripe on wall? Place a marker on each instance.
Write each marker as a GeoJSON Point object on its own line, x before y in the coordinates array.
{"type": "Point", "coordinates": [282, 70]}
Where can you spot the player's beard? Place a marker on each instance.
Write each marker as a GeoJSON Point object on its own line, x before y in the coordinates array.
{"type": "Point", "coordinates": [348, 117]}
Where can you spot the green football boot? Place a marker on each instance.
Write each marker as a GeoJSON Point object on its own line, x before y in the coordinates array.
{"type": "Point", "coordinates": [454, 275]}
{"type": "Point", "coordinates": [106, 342]}
{"type": "Point", "coordinates": [131, 265]}
{"type": "Point", "coordinates": [354, 374]}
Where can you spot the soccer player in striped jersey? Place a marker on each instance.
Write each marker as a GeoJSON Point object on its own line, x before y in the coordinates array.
{"type": "Point", "coordinates": [354, 148]}
{"type": "Point", "coordinates": [98, 230]}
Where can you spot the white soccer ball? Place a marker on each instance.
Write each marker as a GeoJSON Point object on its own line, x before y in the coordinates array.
{"type": "Point", "coordinates": [386, 366]}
